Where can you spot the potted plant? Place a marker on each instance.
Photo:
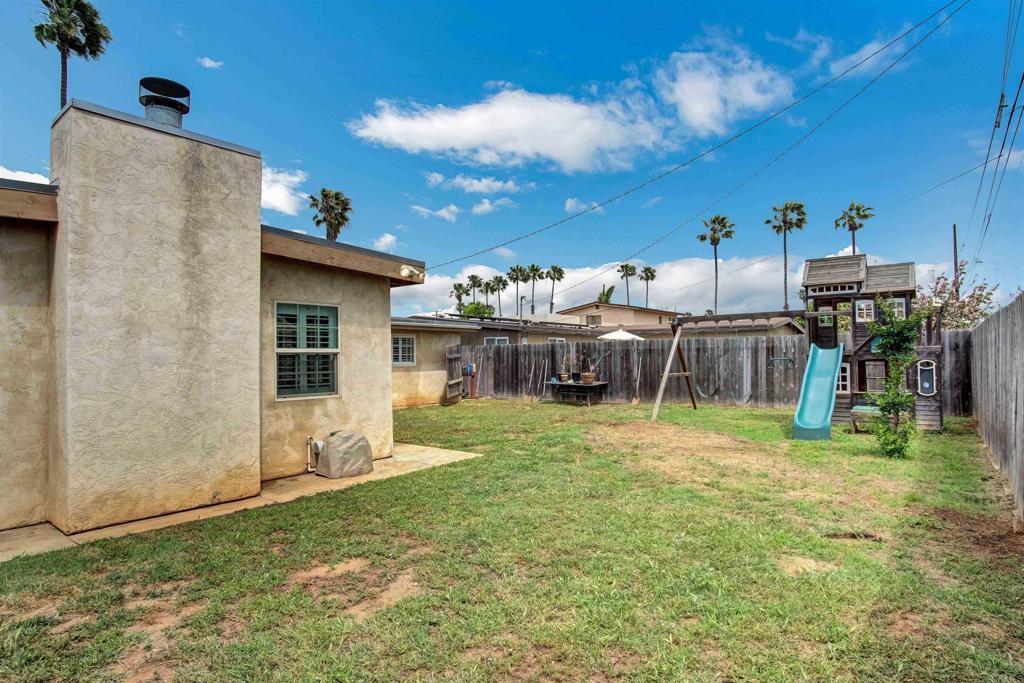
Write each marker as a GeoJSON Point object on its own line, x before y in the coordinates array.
{"type": "Point", "coordinates": [588, 375]}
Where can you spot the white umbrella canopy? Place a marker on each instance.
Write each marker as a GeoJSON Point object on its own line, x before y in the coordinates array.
{"type": "Point", "coordinates": [620, 335]}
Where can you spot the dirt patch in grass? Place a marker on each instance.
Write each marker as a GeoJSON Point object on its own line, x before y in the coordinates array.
{"type": "Point", "coordinates": [991, 537]}
{"type": "Point", "coordinates": [144, 660]}
{"type": "Point", "coordinates": [796, 565]}
{"type": "Point", "coordinates": [403, 586]}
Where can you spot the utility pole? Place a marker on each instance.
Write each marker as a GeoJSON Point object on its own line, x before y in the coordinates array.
{"type": "Point", "coordinates": [956, 267]}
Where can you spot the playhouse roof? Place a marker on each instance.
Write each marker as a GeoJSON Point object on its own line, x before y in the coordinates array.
{"type": "Point", "coordinates": [890, 277]}
{"type": "Point", "coordinates": [835, 269]}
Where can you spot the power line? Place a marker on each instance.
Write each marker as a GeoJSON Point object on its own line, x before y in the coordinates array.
{"type": "Point", "coordinates": [710, 150]}
{"type": "Point", "coordinates": [770, 163]}
{"type": "Point", "coordinates": [947, 181]}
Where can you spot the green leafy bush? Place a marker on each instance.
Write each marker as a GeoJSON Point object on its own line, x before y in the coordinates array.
{"type": "Point", "coordinates": [478, 308]}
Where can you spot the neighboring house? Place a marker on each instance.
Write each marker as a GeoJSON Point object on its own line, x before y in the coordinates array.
{"type": "Point", "coordinates": [159, 349]}
{"type": "Point", "coordinates": [768, 323]}
{"type": "Point", "coordinates": [515, 331]}
{"type": "Point", "coordinates": [612, 315]}
{"type": "Point", "coordinates": [422, 373]}
{"type": "Point", "coordinates": [849, 287]}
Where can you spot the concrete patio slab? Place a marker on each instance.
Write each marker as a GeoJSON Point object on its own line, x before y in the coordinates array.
{"type": "Point", "coordinates": [31, 540]}
{"type": "Point", "coordinates": [405, 458]}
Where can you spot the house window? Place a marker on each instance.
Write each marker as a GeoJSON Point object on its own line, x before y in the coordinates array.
{"type": "Point", "coordinates": [898, 307]}
{"type": "Point", "coordinates": [306, 341]}
{"type": "Point", "coordinates": [659, 319]}
{"type": "Point", "coordinates": [403, 350]}
{"type": "Point", "coordinates": [495, 341]}
{"type": "Point", "coordinates": [865, 311]}
{"type": "Point", "coordinates": [556, 340]}
{"type": "Point", "coordinates": [926, 378]}
{"type": "Point", "coordinates": [843, 380]}
{"type": "Point", "coordinates": [594, 320]}
{"type": "Point", "coordinates": [874, 375]}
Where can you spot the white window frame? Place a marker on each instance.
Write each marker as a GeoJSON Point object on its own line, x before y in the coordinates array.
{"type": "Point", "coordinates": [556, 340]}
{"type": "Point", "coordinates": [843, 379]}
{"type": "Point", "coordinates": [823, 318]}
{"type": "Point", "coordinates": [593, 320]}
{"type": "Point", "coordinates": [336, 352]}
{"type": "Point", "coordinates": [495, 341]}
{"type": "Point", "coordinates": [929, 365]}
{"type": "Point", "coordinates": [870, 307]}
{"type": "Point", "coordinates": [400, 363]}
{"type": "Point", "coordinates": [901, 311]}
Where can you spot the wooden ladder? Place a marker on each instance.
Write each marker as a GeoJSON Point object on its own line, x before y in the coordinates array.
{"type": "Point", "coordinates": [676, 350]}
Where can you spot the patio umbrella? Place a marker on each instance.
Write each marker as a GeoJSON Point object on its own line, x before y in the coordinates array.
{"type": "Point", "coordinates": [620, 335]}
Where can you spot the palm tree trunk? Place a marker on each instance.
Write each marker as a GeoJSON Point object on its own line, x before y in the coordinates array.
{"type": "Point", "coordinates": [517, 299]}
{"type": "Point", "coordinates": [716, 279]}
{"type": "Point", "coordinates": [533, 296]}
{"type": "Point", "coordinates": [627, 291]}
{"type": "Point", "coordinates": [853, 237]}
{"type": "Point", "coordinates": [551, 304]}
{"type": "Point", "coordinates": [785, 274]}
{"type": "Point", "coordinates": [499, 303]}
{"type": "Point", "coordinates": [647, 293]}
{"type": "Point", "coordinates": [487, 298]}
{"type": "Point", "coordinates": [63, 78]}
{"type": "Point", "coordinates": [474, 295]}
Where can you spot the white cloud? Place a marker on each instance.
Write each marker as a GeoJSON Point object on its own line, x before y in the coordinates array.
{"type": "Point", "coordinates": [432, 295]}
{"type": "Point", "coordinates": [24, 176]}
{"type": "Point", "coordinates": [499, 85]}
{"type": "Point", "coordinates": [448, 213]}
{"type": "Point", "coordinates": [486, 185]}
{"type": "Point", "coordinates": [504, 252]}
{"type": "Point", "coordinates": [280, 190]}
{"type": "Point", "coordinates": [208, 63]}
{"type": "Point", "coordinates": [651, 202]}
{"type": "Point", "coordinates": [876, 63]}
{"type": "Point", "coordinates": [817, 47]}
{"type": "Point", "coordinates": [574, 205]}
{"type": "Point", "coordinates": [719, 83]}
{"type": "Point", "coordinates": [486, 206]}
{"type": "Point", "coordinates": [514, 127]}
{"type": "Point", "coordinates": [386, 242]}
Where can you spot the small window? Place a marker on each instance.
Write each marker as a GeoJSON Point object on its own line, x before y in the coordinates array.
{"type": "Point", "coordinates": [874, 375]}
{"type": "Point", "coordinates": [843, 380]}
{"type": "Point", "coordinates": [403, 350]}
{"type": "Point", "coordinates": [659, 319]}
{"type": "Point", "coordinates": [556, 340]}
{"type": "Point", "coordinates": [926, 378]}
{"type": "Point", "coordinates": [306, 346]}
{"type": "Point", "coordinates": [495, 341]}
{"type": "Point", "coordinates": [898, 306]}
{"type": "Point", "coordinates": [825, 320]}
{"type": "Point", "coordinates": [594, 320]}
{"type": "Point", "coordinates": [865, 311]}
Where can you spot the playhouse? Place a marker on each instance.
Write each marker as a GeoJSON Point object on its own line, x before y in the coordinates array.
{"type": "Point", "coordinates": [842, 295]}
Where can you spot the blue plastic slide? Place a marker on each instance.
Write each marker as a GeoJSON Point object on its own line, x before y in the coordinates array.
{"type": "Point", "coordinates": [813, 419]}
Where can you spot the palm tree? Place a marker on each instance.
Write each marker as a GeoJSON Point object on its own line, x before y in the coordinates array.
{"type": "Point", "coordinates": [459, 291]}
{"type": "Point", "coordinates": [626, 271]}
{"type": "Point", "coordinates": [852, 219]}
{"type": "Point", "coordinates": [488, 289]}
{"type": "Point", "coordinates": [498, 285]}
{"type": "Point", "coordinates": [74, 26]}
{"type": "Point", "coordinates": [332, 209]}
{"type": "Point", "coordinates": [605, 297]}
{"type": "Point", "coordinates": [517, 274]}
{"type": "Point", "coordinates": [647, 276]}
{"type": "Point", "coordinates": [533, 273]}
{"type": "Point", "coordinates": [555, 274]}
{"type": "Point", "coordinates": [788, 217]}
{"type": "Point", "coordinates": [719, 228]}
{"type": "Point", "coordinates": [475, 282]}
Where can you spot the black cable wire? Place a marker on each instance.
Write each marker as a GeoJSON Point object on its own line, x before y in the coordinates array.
{"type": "Point", "coordinates": [710, 150]}
{"type": "Point", "coordinates": [945, 182]}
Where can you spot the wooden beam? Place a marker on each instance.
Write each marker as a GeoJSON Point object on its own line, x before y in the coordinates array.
{"type": "Point", "coordinates": [300, 250]}
{"type": "Point", "coordinates": [34, 206]}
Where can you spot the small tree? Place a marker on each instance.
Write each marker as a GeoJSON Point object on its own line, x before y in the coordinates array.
{"type": "Point", "coordinates": [478, 309]}
{"type": "Point", "coordinates": [896, 341]}
{"type": "Point", "coordinates": [959, 312]}
{"type": "Point", "coordinates": [605, 297]}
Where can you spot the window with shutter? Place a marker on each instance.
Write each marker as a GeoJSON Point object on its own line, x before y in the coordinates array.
{"type": "Point", "coordinates": [307, 346]}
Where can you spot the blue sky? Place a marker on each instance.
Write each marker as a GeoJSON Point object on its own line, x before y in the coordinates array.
{"type": "Point", "coordinates": [455, 126]}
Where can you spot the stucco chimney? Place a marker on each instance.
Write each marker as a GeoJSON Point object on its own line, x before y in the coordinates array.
{"type": "Point", "coordinates": [165, 100]}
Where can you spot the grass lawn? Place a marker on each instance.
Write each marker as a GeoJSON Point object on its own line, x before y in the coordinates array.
{"type": "Point", "coordinates": [586, 545]}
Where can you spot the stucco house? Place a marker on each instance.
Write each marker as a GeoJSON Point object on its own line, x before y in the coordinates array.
{"type": "Point", "coordinates": [425, 364]}
{"type": "Point", "coordinates": [160, 349]}
{"type": "Point", "coordinates": [596, 314]}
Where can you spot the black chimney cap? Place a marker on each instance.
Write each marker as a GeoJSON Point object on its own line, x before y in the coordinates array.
{"type": "Point", "coordinates": [156, 90]}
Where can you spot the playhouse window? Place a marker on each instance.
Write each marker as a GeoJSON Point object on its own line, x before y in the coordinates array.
{"type": "Point", "coordinates": [926, 378]}
{"type": "Point", "coordinates": [874, 375]}
{"type": "Point", "coordinates": [306, 338]}
{"type": "Point", "coordinates": [865, 311]}
{"type": "Point", "coordinates": [403, 350]}
{"type": "Point", "coordinates": [843, 381]}
{"type": "Point", "coordinates": [898, 307]}
{"type": "Point", "coordinates": [825, 320]}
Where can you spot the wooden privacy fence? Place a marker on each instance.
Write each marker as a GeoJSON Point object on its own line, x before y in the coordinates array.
{"type": "Point", "coordinates": [997, 381]}
{"type": "Point", "coordinates": [956, 372]}
{"type": "Point", "coordinates": [757, 371]}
